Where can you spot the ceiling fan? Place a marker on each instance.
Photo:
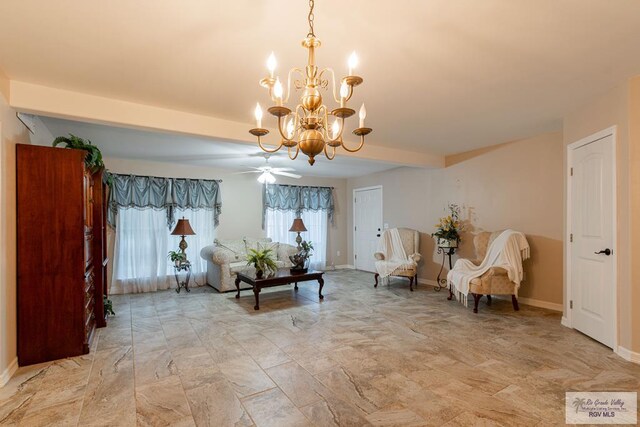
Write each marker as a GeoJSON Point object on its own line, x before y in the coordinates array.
{"type": "Point", "coordinates": [267, 172]}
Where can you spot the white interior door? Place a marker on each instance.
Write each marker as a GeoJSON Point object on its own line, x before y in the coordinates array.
{"type": "Point", "coordinates": [367, 214]}
{"type": "Point", "coordinates": [593, 286]}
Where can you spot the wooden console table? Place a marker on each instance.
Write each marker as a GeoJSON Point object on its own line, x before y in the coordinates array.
{"type": "Point", "coordinates": [281, 277]}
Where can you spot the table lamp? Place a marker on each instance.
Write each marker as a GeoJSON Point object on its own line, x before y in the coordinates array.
{"type": "Point", "coordinates": [298, 227]}
{"type": "Point", "coordinates": [183, 228]}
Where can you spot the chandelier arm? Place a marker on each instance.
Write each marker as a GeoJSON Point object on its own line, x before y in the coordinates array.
{"type": "Point", "coordinates": [333, 82]}
{"type": "Point", "coordinates": [322, 111]}
{"type": "Point", "coordinates": [280, 123]}
{"type": "Point", "coordinates": [341, 129]}
{"type": "Point", "coordinates": [266, 149]}
{"type": "Point", "coordinates": [291, 71]}
{"type": "Point", "coordinates": [326, 126]}
{"type": "Point", "coordinates": [339, 137]}
{"type": "Point", "coordinates": [350, 94]}
{"type": "Point", "coordinates": [297, 152]}
{"type": "Point", "coordinates": [326, 152]}
{"type": "Point", "coordinates": [296, 123]}
{"type": "Point", "coordinates": [357, 149]}
{"type": "Point", "coordinates": [299, 116]}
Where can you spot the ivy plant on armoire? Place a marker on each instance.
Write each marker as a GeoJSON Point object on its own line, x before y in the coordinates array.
{"type": "Point", "coordinates": [61, 253]}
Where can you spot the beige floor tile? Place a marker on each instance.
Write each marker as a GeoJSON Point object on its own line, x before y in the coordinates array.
{"type": "Point", "coordinates": [109, 397]}
{"type": "Point", "coordinates": [215, 404]}
{"type": "Point", "coordinates": [245, 376]}
{"type": "Point", "coordinates": [272, 408]}
{"type": "Point", "coordinates": [146, 342]}
{"type": "Point", "coordinates": [114, 338]}
{"type": "Point", "coordinates": [64, 413]}
{"type": "Point", "coordinates": [152, 366]}
{"type": "Point", "coordinates": [352, 388]}
{"type": "Point", "coordinates": [298, 384]}
{"type": "Point", "coordinates": [163, 403]}
{"type": "Point", "coordinates": [332, 411]}
{"type": "Point", "coordinates": [396, 416]}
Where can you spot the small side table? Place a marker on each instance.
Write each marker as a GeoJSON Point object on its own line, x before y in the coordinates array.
{"type": "Point", "coordinates": [183, 266]}
{"type": "Point", "coordinates": [446, 252]}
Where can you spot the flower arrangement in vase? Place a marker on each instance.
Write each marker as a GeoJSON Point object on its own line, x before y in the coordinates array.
{"type": "Point", "coordinates": [448, 228]}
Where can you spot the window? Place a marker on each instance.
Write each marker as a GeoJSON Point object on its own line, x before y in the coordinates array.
{"type": "Point", "coordinates": [143, 241]}
{"type": "Point", "coordinates": [278, 222]}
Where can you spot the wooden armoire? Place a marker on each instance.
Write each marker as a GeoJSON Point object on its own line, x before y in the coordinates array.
{"type": "Point", "coordinates": [61, 253]}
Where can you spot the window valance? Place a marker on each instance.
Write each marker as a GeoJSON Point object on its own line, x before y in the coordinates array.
{"type": "Point", "coordinates": [150, 192]}
{"type": "Point", "coordinates": [297, 198]}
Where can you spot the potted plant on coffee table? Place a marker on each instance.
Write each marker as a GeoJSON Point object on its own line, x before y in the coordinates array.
{"type": "Point", "coordinates": [300, 259]}
{"type": "Point", "coordinates": [262, 260]}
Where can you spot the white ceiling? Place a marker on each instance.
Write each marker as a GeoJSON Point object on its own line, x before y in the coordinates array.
{"type": "Point", "coordinates": [440, 76]}
{"type": "Point", "coordinates": [127, 143]}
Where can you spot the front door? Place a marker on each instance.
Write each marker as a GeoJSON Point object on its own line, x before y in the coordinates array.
{"type": "Point", "coordinates": [367, 208]}
{"type": "Point", "coordinates": [593, 286]}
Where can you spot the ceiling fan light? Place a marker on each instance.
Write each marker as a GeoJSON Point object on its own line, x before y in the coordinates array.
{"type": "Point", "coordinates": [266, 177]}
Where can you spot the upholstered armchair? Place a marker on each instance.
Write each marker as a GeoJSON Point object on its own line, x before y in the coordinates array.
{"type": "Point", "coordinates": [495, 281]}
{"type": "Point", "coordinates": [411, 245]}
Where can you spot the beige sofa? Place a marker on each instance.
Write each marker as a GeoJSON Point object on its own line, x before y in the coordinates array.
{"type": "Point", "coordinates": [226, 257]}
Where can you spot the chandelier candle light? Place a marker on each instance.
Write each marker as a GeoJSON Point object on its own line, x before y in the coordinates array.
{"type": "Point", "coordinates": [306, 128]}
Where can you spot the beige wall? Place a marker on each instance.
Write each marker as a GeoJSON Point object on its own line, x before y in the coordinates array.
{"type": "Point", "coordinates": [612, 109]}
{"type": "Point", "coordinates": [515, 185]}
{"type": "Point", "coordinates": [242, 199]}
{"type": "Point", "coordinates": [634, 193]}
{"type": "Point", "coordinates": [12, 132]}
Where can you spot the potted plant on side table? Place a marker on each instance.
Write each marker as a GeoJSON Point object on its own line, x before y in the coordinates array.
{"type": "Point", "coordinates": [177, 257]}
{"type": "Point", "coordinates": [262, 260]}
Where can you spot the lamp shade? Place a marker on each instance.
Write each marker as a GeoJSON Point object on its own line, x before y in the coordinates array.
{"type": "Point", "coordinates": [298, 225]}
{"type": "Point", "coordinates": [183, 228]}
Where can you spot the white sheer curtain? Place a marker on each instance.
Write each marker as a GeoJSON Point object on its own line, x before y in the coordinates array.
{"type": "Point", "coordinates": [142, 243]}
{"type": "Point", "coordinates": [277, 224]}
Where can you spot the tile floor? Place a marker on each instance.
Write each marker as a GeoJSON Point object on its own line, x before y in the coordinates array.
{"type": "Point", "coordinates": [363, 356]}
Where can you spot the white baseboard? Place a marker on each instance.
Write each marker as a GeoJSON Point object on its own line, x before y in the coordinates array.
{"type": "Point", "coordinates": [565, 322]}
{"type": "Point", "coordinates": [344, 267]}
{"type": "Point", "coordinates": [627, 354]}
{"type": "Point", "coordinates": [541, 304]}
{"type": "Point", "coordinates": [8, 373]}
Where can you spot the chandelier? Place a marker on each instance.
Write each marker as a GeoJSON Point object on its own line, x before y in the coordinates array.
{"type": "Point", "coordinates": [306, 128]}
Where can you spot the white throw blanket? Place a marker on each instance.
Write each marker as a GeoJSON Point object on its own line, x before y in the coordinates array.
{"type": "Point", "coordinates": [390, 245]}
{"type": "Point", "coordinates": [507, 251]}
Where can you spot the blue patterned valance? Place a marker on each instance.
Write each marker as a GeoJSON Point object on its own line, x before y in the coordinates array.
{"type": "Point", "coordinates": [297, 198]}
{"type": "Point", "coordinates": [150, 192]}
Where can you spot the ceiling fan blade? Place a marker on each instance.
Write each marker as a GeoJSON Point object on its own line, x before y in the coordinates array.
{"type": "Point", "coordinates": [239, 173]}
{"type": "Point", "coordinates": [290, 175]}
{"type": "Point", "coordinates": [284, 169]}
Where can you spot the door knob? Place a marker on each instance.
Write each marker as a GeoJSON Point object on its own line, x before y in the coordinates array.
{"type": "Point", "coordinates": [607, 252]}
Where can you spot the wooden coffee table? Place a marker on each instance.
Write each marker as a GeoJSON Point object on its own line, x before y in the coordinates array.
{"type": "Point", "coordinates": [281, 277]}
